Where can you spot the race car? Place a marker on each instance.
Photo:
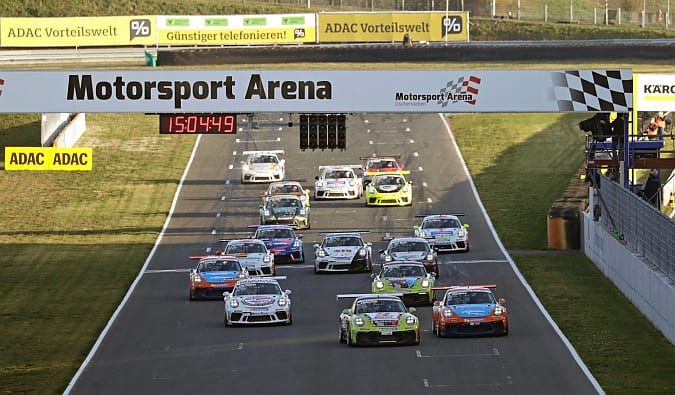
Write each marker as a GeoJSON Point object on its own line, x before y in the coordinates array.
{"type": "Point", "coordinates": [286, 245]}
{"type": "Point", "coordinates": [286, 188]}
{"type": "Point", "coordinates": [444, 232]}
{"type": "Point", "coordinates": [257, 300]}
{"type": "Point", "coordinates": [338, 182]}
{"type": "Point", "coordinates": [389, 189]}
{"type": "Point", "coordinates": [469, 310]}
{"type": "Point", "coordinates": [376, 319]}
{"type": "Point", "coordinates": [253, 256]}
{"type": "Point", "coordinates": [408, 278]}
{"type": "Point", "coordinates": [380, 164]}
{"type": "Point", "coordinates": [262, 166]}
{"type": "Point", "coordinates": [214, 274]}
{"type": "Point", "coordinates": [285, 209]}
{"type": "Point", "coordinates": [343, 252]}
{"type": "Point", "coordinates": [411, 249]}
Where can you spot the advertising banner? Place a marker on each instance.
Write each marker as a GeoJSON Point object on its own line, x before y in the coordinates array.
{"type": "Point", "coordinates": [77, 32]}
{"type": "Point", "coordinates": [48, 158]}
{"type": "Point", "coordinates": [655, 92]}
{"type": "Point", "coordinates": [320, 91]}
{"type": "Point", "coordinates": [392, 26]}
{"type": "Point", "coordinates": [236, 29]}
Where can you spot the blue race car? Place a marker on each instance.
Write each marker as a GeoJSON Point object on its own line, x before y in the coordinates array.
{"type": "Point", "coordinates": [283, 241]}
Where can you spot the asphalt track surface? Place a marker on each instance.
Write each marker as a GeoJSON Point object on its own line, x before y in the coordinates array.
{"type": "Point", "coordinates": [161, 342]}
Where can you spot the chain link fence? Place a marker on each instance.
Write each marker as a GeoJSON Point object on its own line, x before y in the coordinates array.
{"type": "Point", "coordinates": [643, 227]}
{"type": "Point", "coordinates": [603, 12]}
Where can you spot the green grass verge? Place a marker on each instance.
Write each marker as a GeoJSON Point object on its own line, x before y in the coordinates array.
{"type": "Point", "coordinates": [57, 227]}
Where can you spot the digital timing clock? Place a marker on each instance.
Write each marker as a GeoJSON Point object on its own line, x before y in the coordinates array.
{"type": "Point", "coordinates": [215, 123]}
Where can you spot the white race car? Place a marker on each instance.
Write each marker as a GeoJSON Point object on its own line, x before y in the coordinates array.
{"type": "Point", "coordinates": [257, 301]}
{"type": "Point", "coordinates": [263, 166]}
{"type": "Point", "coordinates": [253, 256]}
{"type": "Point", "coordinates": [343, 252]}
{"type": "Point", "coordinates": [338, 182]}
{"type": "Point", "coordinates": [444, 232]}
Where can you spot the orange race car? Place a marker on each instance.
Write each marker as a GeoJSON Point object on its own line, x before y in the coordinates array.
{"type": "Point", "coordinates": [214, 274]}
{"type": "Point", "coordinates": [381, 164]}
{"type": "Point", "coordinates": [469, 310]}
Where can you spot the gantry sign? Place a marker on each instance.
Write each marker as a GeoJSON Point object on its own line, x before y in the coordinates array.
{"type": "Point", "coordinates": [312, 91]}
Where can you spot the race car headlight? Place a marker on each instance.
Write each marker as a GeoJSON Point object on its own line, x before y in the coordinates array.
{"type": "Point", "coordinates": [447, 313]}
{"type": "Point", "coordinates": [461, 233]}
{"type": "Point", "coordinates": [303, 212]}
{"type": "Point", "coordinates": [296, 244]}
{"type": "Point", "coordinates": [405, 189]}
{"type": "Point", "coordinates": [266, 213]}
{"type": "Point", "coordinates": [499, 310]}
{"type": "Point", "coordinates": [410, 320]}
{"type": "Point", "coordinates": [282, 302]}
{"type": "Point", "coordinates": [425, 283]}
{"type": "Point", "coordinates": [321, 253]}
{"type": "Point", "coordinates": [371, 190]}
{"type": "Point", "coordinates": [379, 284]}
{"type": "Point", "coordinates": [388, 258]}
{"type": "Point", "coordinates": [267, 259]}
{"type": "Point", "coordinates": [352, 183]}
{"type": "Point", "coordinates": [430, 257]}
{"type": "Point", "coordinates": [251, 168]}
{"type": "Point", "coordinates": [319, 184]}
{"type": "Point", "coordinates": [423, 234]}
{"type": "Point", "coordinates": [358, 321]}
{"type": "Point", "coordinates": [242, 275]}
{"type": "Point", "coordinates": [234, 303]}
{"type": "Point", "coordinates": [197, 279]}
{"type": "Point", "coordinates": [362, 252]}
{"type": "Point", "coordinates": [275, 167]}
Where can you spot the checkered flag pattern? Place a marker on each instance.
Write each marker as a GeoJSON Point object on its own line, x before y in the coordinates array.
{"type": "Point", "coordinates": [463, 86]}
{"type": "Point", "coordinates": [593, 90]}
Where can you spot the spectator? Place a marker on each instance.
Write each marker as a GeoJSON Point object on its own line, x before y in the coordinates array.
{"type": "Point", "coordinates": [652, 129]}
{"type": "Point", "coordinates": [651, 187]}
{"type": "Point", "coordinates": [661, 125]}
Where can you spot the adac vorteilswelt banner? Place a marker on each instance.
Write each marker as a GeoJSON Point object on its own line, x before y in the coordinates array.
{"type": "Point", "coordinates": [392, 26]}
{"type": "Point", "coordinates": [77, 32]}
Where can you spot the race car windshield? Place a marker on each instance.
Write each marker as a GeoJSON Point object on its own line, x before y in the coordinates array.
{"type": "Point", "coordinates": [257, 289]}
{"type": "Point", "coordinates": [343, 242]}
{"type": "Point", "coordinates": [278, 189]}
{"type": "Point", "coordinates": [379, 305]}
{"type": "Point", "coordinates": [264, 159]}
{"type": "Point", "coordinates": [340, 174]}
{"type": "Point", "coordinates": [219, 266]}
{"type": "Point", "coordinates": [404, 271]}
{"type": "Point", "coordinates": [388, 181]}
{"type": "Point", "coordinates": [275, 234]}
{"type": "Point", "coordinates": [409, 246]}
{"type": "Point", "coordinates": [478, 297]}
{"type": "Point", "coordinates": [441, 223]}
{"type": "Point", "coordinates": [245, 248]}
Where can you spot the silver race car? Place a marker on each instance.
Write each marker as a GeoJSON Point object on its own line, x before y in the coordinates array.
{"type": "Point", "coordinates": [444, 232]}
{"type": "Point", "coordinates": [338, 182]}
{"type": "Point", "coordinates": [262, 166]}
{"type": "Point", "coordinates": [343, 252]}
{"type": "Point", "coordinates": [257, 300]}
{"type": "Point", "coordinates": [253, 256]}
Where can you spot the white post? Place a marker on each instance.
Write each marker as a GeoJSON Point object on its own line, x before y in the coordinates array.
{"type": "Point", "coordinates": [571, 11]}
{"type": "Point", "coordinates": [644, 11]}
{"type": "Point", "coordinates": [606, 14]}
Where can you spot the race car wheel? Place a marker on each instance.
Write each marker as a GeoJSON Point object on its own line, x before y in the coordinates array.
{"type": "Point", "coordinates": [350, 343]}
{"type": "Point", "coordinates": [316, 271]}
{"type": "Point", "coordinates": [302, 258]}
{"type": "Point", "coordinates": [226, 321]}
{"type": "Point", "coordinates": [342, 337]}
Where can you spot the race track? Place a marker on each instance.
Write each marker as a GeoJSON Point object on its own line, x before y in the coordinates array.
{"type": "Point", "coordinates": [163, 343]}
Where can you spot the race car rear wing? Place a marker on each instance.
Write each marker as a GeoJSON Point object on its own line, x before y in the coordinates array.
{"type": "Point", "coordinates": [429, 215]}
{"type": "Point", "coordinates": [352, 296]}
{"type": "Point", "coordinates": [342, 231]}
{"type": "Point", "coordinates": [360, 167]}
{"type": "Point", "coordinates": [217, 255]}
{"type": "Point", "coordinates": [276, 151]}
{"type": "Point", "coordinates": [380, 156]}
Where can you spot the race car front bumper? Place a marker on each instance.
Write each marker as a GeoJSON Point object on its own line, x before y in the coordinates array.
{"type": "Point", "coordinates": [449, 245]}
{"type": "Point", "coordinates": [474, 328]}
{"type": "Point", "coordinates": [394, 338]}
{"type": "Point", "coordinates": [259, 318]}
{"type": "Point", "coordinates": [336, 265]}
{"type": "Point", "coordinates": [210, 292]}
{"type": "Point", "coordinates": [388, 199]}
{"type": "Point", "coordinates": [342, 193]}
{"type": "Point", "coordinates": [262, 176]}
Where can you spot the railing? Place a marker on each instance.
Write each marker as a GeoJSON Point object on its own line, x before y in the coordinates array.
{"type": "Point", "coordinates": [643, 227]}
{"type": "Point", "coordinates": [606, 12]}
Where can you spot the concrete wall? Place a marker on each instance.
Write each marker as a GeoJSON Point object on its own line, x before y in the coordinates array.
{"type": "Point", "coordinates": [59, 130]}
{"type": "Point", "coordinates": [650, 291]}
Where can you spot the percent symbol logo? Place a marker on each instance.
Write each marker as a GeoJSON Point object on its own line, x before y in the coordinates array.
{"type": "Point", "coordinates": [139, 28]}
{"type": "Point", "coordinates": [451, 25]}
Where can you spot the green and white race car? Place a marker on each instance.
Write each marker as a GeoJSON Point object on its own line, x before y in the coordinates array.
{"type": "Point", "coordinates": [389, 189]}
{"type": "Point", "coordinates": [375, 319]}
{"type": "Point", "coordinates": [409, 278]}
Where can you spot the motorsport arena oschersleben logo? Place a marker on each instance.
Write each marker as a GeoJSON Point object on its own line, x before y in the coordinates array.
{"type": "Point", "coordinates": [462, 90]}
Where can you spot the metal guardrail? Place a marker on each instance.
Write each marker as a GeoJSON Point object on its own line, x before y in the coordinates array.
{"type": "Point", "coordinates": [642, 226]}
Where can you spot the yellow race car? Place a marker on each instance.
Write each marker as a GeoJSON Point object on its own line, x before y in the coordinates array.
{"type": "Point", "coordinates": [389, 189]}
